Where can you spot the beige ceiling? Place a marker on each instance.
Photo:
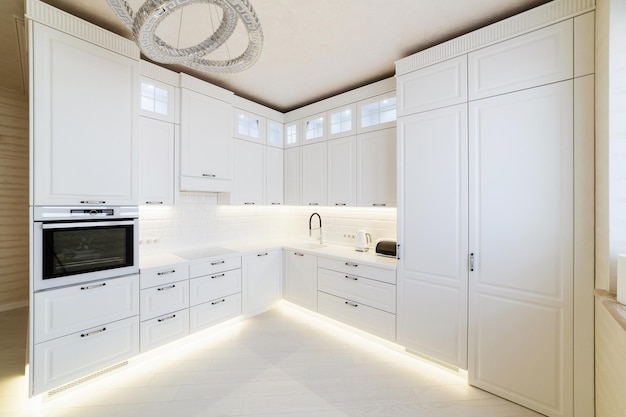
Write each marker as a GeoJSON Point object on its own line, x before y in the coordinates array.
{"type": "Point", "coordinates": [313, 49]}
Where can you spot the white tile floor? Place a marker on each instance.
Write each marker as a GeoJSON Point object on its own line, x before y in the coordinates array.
{"type": "Point", "coordinates": [277, 364]}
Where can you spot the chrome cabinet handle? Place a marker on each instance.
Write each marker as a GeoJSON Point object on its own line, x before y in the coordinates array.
{"type": "Point", "coordinates": [167, 318]}
{"type": "Point", "coordinates": [298, 254]}
{"type": "Point", "coordinates": [352, 278]}
{"type": "Point", "coordinates": [219, 301]}
{"type": "Point", "coordinates": [262, 254]}
{"type": "Point", "coordinates": [92, 333]}
{"type": "Point", "coordinates": [352, 265]}
{"type": "Point", "coordinates": [91, 287]}
{"type": "Point", "coordinates": [218, 276]}
{"type": "Point", "coordinates": [340, 204]}
{"type": "Point", "coordinates": [351, 304]}
{"type": "Point", "coordinates": [314, 204]}
{"type": "Point", "coordinates": [217, 263]}
{"type": "Point", "coordinates": [471, 262]}
{"type": "Point", "coordinates": [379, 204]}
{"type": "Point", "coordinates": [166, 272]}
{"type": "Point", "coordinates": [209, 175]}
{"type": "Point", "coordinates": [276, 204]}
{"type": "Point", "coordinates": [250, 203]}
{"type": "Point", "coordinates": [166, 288]}
{"type": "Point", "coordinates": [154, 202]}
{"type": "Point", "coordinates": [92, 202]}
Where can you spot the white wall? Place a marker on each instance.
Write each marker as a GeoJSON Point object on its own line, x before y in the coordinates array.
{"type": "Point", "coordinates": [197, 220]}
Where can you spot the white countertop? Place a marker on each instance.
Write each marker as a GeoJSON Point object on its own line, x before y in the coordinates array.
{"type": "Point", "coordinates": [200, 254]}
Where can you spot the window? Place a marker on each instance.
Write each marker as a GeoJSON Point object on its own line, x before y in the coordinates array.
{"type": "Point", "coordinates": [292, 134]}
{"type": "Point", "coordinates": [154, 99]}
{"type": "Point", "coordinates": [378, 112]}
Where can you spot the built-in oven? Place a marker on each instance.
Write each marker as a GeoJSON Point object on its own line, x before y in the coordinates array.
{"type": "Point", "coordinates": [72, 245]}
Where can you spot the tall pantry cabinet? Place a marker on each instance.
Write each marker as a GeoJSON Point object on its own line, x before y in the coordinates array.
{"type": "Point", "coordinates": [490, 219]}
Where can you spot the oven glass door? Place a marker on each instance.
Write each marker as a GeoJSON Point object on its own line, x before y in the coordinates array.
{"type": "Point", "coordinates": [79, 248]}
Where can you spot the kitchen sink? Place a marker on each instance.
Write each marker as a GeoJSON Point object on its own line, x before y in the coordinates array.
{"type": "Point", "coordinates": [310, 246]}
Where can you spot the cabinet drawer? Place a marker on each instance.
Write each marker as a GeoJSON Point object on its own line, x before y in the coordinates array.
{"type": "Point", "coordinates": [67, 310]}
{"type": "Point", "coordinates": [380, 295]}
{"type": "Point", "coordinates": [161, 330]}
{"type": "Point", "coordinates": [210, 287]}
{"type": "Point", "coordinates": [371, 320]}
{"type": "Point", "coordinates": [67, 358]}
{"type": "Point", "coordinates": [355, 268]}
{"type": "Point", "coordinates": [217, 265]}
{"type": "Point", "coordinates": [536, 58]}
{"type": "Point", "coordinates": [214, 312]}
{"type": "Point", "coordinates": [164, 275]}
{"type": "Point", "coordinates": [160, 300]}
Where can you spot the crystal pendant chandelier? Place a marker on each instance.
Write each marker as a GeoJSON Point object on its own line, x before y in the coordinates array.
{"type": "Point", "coordinates": [144, 22]}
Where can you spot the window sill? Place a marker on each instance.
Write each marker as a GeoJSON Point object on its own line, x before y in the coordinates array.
{"type": "Point", "coordinates": [610, 303]}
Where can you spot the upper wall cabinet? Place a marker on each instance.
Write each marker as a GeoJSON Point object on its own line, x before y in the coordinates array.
{"type": "Point", "coordinates": [275, 134]}
{"type": "Point", "coordinates": [85, 113]}
{"type": "Point", "coordinates": [249, 126]}
{"type": "Point", "coordinates": [157, 152]}
{"type": "Point", "coordinates": [377, 112]}
{"type": "Point", "coordinates": [313, 129]}
{"type": "Point", "coordinates": [206, 143]}
{"type": "Point", "coordinates": [541, 57]}
{"type": "Point", "coordinates": [342, 121]}
{"type": "Point", "coordinates": [292, 134]}
{"type": "Point", "coordinates": [439, 85]}
{"type": "Point", "coordinates": [158, 100]}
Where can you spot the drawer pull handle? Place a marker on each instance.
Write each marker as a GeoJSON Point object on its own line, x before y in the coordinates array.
{"type": "Point", "coordinates": [167, 318]}
{"type": "Point", "coordinates": [218, 276]}
{"type": "Point", "coordinates": [154, 202]}
{"type": "Point", "coordinates": [92, 202]}
{"type": "Point", "coordinates": [276, 204]}
{"type": "Point", "coordinates": [166, 272]}
{"type": "Point", "coordinates": [262, 254]}
{"type": "Point", "coordinates": [379, 204]}
{"type": "Point", "coordinates": [218, 301]}
{"type": "Point", "coordinates": [166, 288]}
{"type": "Point", "coordinates": [340, 204]}
{"type": "Point", "coordinates": [209, 175]}
{"type": "Point", "coordinates": [92, 333]}
{"type": "Point", "coordinates": [352, 265]}
{"type": "Point", "coordinates": [298, 254]}
{"type": "Point", "coordinates": [91, 287]}
{"type": "Point", "coordinates": [248, 203]}
{"type": "Point", "coordinates": [352, 278]}
{"type": "Point", "coordinates": [314, 204]}
{"type": "Point", "coordinates": [351, 304]}
{"type": "Point", "coordinates": [217, 263]}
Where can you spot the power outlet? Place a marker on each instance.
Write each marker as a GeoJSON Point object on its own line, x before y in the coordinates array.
{"type": "Point", "coordinates": [348, 236]}
{"type": "Point", "coordinates": [149, 241]}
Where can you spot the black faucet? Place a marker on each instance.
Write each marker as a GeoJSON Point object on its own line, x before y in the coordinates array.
{"type": "Point", "coordinates": [320, 227]}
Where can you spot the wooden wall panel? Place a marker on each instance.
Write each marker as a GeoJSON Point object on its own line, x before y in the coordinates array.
{"type": "Point", "coordinates": [13, 202]}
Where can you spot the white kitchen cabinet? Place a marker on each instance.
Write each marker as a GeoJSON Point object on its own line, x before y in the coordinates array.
{"type": "Point", "coordinates": [433, 231]}
{"type": "Point", "coordinates": [292, 159]}
{"type": "Point", "coordinates": [313, 128]}
{"type": "Point", "coordinates": [214, 312]}
{"type": "Point", "coordinates": [261, 281]}
{"type": "Point", "coordinates": [65, 359]}
{"type": "Point", "coordinates": [158, 99]}
{"type": "Point", "coordinates": [342, 121]}
{"type": "Point", "coordinates": [163, 329]}
{"type": "Point", "coordinates": [300, 279]}
{"type": "Point", "coordinates": [218, 284]}
{"type": "Point", "coordinates": [292, 134]}
{"type": "Point", "coordinates": [275, 134]}
{"type": "Point", "coordinates": [66, 310]}
{"type": "Point", "coordinates": [376, 294]}
{"type": "Point", "coordinates": [85, 111]}
{"type": "Point", "coordinates": [248, 173]}
{"type": "Point", "coordinates": [314, 174]}
{"type": "Point", "coordinates": [164, 299]}
{"type": "Point", "coordinates": [356, 268]}
{"type": "Point", "coordinates": [376, 113]}
{"type": "Point", "coordinates": [249, 126]}
{"type": "Point", "coordinates": [206, 143]}
{"type": "Point", "coordinates": [152, 277]}
{"type": "Point", "coordinates": [376, 168]}
{"type": "Point", "coordinates": [521, 220]}
{"type": "Point", "coordinates": [342, 171]}
{"type": "Point", "coordinates": [274, 176]}
{"type": "Point", "coordinates": [157, 152]}
{"type": "Point", "coordinates": [540, 57]}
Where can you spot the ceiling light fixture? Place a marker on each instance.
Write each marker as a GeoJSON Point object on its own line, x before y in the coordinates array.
{"type": "Point", "coordinates": [144, 22]}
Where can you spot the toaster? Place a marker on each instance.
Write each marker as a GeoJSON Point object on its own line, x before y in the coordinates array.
{"type": "Point", "coordinates": [386, 247]}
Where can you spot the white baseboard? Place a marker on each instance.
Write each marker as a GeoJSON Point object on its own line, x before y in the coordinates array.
{"type": "Point", "coordinates": [12, 306]}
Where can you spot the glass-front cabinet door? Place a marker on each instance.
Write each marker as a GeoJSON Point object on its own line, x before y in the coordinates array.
{"type": "Point", "coordinates": [314, 129]}
{"type": "Point", "coordinates": [274, 134]}
{"type": "Point", "coordinates": [158, 100]}
{"type": "Point", "coordinates": [292, 134]}
{"type": "Point", "coordinates": [342, 121]}
{"type": "Point", "coordinates": [249, 126]}
{"type": "Point", "coordinates": [377, 113]}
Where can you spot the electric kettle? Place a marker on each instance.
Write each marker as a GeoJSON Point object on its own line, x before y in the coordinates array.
{"type": "Point", "coordinates": [362, 239]}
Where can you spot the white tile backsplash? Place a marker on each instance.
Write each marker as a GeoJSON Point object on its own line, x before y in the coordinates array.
{"type": "Point", "coordinates": [197, 220]}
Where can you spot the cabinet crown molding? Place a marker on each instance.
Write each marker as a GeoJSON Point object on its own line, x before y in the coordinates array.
{"type": "Point", "coordinates": [544, 15]}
